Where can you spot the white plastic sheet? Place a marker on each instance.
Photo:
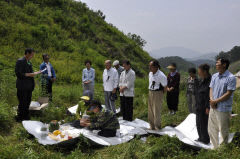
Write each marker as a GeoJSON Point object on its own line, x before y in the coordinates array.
{"type": "Point", "coordinates": [185, 132]}
{"type": "Point", "coordinates": [124, 134]}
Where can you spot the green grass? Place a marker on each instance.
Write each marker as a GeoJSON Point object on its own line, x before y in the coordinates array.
{"type": "Point", "coordinates": [17, 143]}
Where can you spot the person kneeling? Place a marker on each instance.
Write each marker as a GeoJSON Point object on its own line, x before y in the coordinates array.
{"type": "Point", "coordinates": [103, 120]}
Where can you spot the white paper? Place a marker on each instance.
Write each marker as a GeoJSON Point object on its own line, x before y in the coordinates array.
{"type": "Point", "coordinates": [43, 70]}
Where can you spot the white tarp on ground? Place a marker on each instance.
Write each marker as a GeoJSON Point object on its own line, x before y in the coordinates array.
{"type": "Point", "coordinates": [124, 134]}
{"type": "Point", "coordinates": [185, 132]}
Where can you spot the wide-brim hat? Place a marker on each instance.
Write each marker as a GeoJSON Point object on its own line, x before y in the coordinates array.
{"type": "Point", "coordinates": [85, 98]}
{"type": "Point", "coordinates": [171, 67]}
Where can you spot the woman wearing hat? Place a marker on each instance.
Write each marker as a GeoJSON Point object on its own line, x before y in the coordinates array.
{"type": "Point", "coordinates": [173, 88]}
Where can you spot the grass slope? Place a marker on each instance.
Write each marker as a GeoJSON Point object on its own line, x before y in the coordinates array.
{"type": "Point", "coordinates": [69, 31]}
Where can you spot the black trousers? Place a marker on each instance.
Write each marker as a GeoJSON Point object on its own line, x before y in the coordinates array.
{"type": "Point", "coordinates": [24, 98]}
{"type": "Point", "coordinates": [172, 100]}
{"type": "Point", "coordinates": [107, 133]}
{"type": "Point", "coordinates": [127, 108]}
{"type": "Point", "coordinates": [202, 126]}
{"type": "Point", "coordinates": [49, 86]}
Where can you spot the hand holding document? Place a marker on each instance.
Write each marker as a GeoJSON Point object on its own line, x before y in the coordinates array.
{"type": "Point", "coordinates": [41, 71]}
{"type": "Point", "coordinates": [35, 73]}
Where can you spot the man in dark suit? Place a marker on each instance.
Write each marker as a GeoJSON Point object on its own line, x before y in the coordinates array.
{"type": "Point", "coordinates": [25, 84]}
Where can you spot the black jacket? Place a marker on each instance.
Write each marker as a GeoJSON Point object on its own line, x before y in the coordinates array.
{"type": "Point", "coordinates": [24, 83]}
{"type": "Point", "coordinates": [202, 96]}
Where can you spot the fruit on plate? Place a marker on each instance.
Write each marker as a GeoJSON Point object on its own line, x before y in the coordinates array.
{"type": "Point", "coordinates": [56, 138]}
{"type": "Point", "coordinates": [57, 132]}
{"type": "Point", "coordinates": [62, 136]}
{"type": "Point", "coordinates": [53, 125]}
{"type": "Point", "coordinates": [69, 137]}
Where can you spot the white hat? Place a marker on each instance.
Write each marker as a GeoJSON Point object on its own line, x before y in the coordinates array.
{"type": "Point", "coordinates": [115, 63]}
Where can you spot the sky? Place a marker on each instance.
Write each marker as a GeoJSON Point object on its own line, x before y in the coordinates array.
{"type": "Point", "coordinates": [202, 25]}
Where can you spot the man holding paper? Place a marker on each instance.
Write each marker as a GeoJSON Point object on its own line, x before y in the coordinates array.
{"type": "Point", "coordinates": [25, 84]}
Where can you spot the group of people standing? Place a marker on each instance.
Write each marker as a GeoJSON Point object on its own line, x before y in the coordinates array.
{"type": "Point", "coordinates": [116, 80]}
{"type": "Point", "coordinates": [209, 97]}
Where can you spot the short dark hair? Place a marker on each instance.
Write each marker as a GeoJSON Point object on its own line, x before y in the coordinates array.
{"type": "Point", "coordinates": [127, 62]}
{"type": "Point", "coordinates": [174, 65]}
{"type": "Point", "coordinates": [96, 103]}
{"type": "Point", "coordinates": [204, 67]}
{"type": "Point", "coordinates": [155, 63]}
{"type": "Point", "coordinates": [192, 70]}
{"type": "Point", "coordinates": [88, 61]}
{"type": "Point", "coordinates": [44, 56]}
{"type": "Point", "coordinates": [224, 60]}
{"type": "Point", "coordinates": [29, 51]}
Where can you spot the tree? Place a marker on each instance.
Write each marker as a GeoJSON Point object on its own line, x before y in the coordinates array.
{"type": "Point", "coordinates": [140, 42]}
{"type": "Point", "coordinates": [100, 14]}
{"type": "Point", "coordinates": [223, 54]}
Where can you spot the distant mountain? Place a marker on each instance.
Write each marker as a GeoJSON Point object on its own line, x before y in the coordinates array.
{"type": "Point", "coordinates": [182, 64]}
{"type": "Point", "coordinates": [175, 51]}
{"type": "Point", "coordinates": [208, 56]}
{"type": "Point", "coordinates": [199, 62]}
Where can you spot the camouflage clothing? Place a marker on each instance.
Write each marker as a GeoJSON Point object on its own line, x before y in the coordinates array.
{"type": "Point", "coordinates": [104, 120]}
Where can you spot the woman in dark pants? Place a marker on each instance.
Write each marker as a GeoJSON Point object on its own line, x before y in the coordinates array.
{"type": "Point", "coordinates": [202, 103]}
{"type": "Point", "coordinates": [173, 88]}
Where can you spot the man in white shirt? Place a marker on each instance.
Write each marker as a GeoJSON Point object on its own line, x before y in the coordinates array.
{"type": "Point", "coordinates": [110, 83]}
{"type": "Point", "coordinates": [119, 69]}
{"type": "Point", "coordinates": [157, 85]}
{"type": "Point", "coordinates": [126, 85]}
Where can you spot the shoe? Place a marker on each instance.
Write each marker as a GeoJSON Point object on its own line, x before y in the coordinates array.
{"type": "Point", "coordinates": [205, 142]}
{"type": "Point", "coordinates": [173, 113]}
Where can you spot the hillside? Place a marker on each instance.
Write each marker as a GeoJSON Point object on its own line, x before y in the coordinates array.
{"type": "Point", "coordinates": [233, 54]}
{"type": "Point", "coordinates": [235, 67]}
{"type": "Point", "coordinates": [69, 31]}
{"type": "Point", "coordinates": [182, 64]}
